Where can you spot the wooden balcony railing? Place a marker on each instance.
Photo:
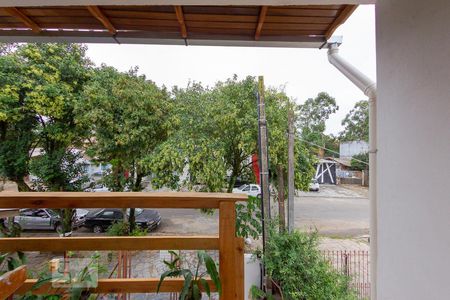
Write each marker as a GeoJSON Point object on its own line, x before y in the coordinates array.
{"type": "Point", "coordinates": [231, 248]}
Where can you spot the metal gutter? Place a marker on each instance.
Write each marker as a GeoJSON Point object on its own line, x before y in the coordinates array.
{"type": "Point", "coordinates": [368, 87]}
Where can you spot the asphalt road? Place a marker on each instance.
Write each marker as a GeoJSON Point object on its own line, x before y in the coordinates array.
{"type": "Point", "coordinates": [341, 211]}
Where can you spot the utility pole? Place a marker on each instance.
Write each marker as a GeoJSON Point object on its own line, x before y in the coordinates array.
{"type": "Point", "coordinates": [281, 202]}
{"type": "Point", "coordinates": [291, 184]}
{"type": "Point", "coordinates": [264, 160]}
{"type": "Point", "coordinates": [264, 172]}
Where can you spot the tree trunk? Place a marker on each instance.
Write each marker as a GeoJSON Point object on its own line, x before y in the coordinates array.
{"type": "Point", "coordinates": [281, 204]}
{"type": "Point", "coordinates": [22, 186]}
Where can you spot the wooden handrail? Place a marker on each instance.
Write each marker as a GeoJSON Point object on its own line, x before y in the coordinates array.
{"type": "Point", "coordinates": [119, 285]}
{"type": "Point", "coordinates": [11, 281]}
{"type": "Point", "coordinates": [105, 243]}
{"type": "Point", "coordinates": [231, 249]}
{"type": "Point", "coordinates": [115, 200]}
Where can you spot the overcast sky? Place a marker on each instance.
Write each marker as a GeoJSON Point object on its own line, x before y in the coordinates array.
{"type": "Point", "coordinates": [303, 72]}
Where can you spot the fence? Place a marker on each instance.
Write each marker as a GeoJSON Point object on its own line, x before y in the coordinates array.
{"type": "Point", "coordinates": [354, 264]}
{"type": "Point", "coordinates": [231, 248]}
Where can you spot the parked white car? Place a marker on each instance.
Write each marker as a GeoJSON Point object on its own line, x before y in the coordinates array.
{"type": "Point", "coordinates": [314, 185]}
{"type": "Point", "coordinates": [249, 189]}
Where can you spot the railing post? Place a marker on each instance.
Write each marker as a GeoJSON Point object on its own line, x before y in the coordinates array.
{"type": "Point", "coordinates": [227, 250]}
{"type": "Point", "coordinates": [240, 266]}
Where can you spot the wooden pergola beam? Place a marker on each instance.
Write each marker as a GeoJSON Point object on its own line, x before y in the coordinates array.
{"type": "Point", "coordinates": [99, 15]}
{"type": "Point", "coordinates": [261, 19]}
{"type": "Point", "coordinates": [180, 18]}
{"type": "Point", "coordinates": [15, 12]}
{"type": "Point", "coordinates": [341, 18]}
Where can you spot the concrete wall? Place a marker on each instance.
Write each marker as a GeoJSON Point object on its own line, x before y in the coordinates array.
{"type": "Point", "coordinates": [413, 61]}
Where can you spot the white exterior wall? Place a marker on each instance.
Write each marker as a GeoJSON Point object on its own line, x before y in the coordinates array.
{"type": "Point", "coordinates": [413, 61]}
{"type": "Point", "coordinates": [350, 149]}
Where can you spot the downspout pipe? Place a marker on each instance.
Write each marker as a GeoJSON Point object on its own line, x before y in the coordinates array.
{"type": "Point", "coordinates": [368, 87]}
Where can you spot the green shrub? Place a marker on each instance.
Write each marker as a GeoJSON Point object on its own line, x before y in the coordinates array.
{"type": "Point", "coordinates": [122, 228]}
{"type": "Point", "coordinates": [294, 262]}
{"type": "Point", "coordinates": [119, 228]}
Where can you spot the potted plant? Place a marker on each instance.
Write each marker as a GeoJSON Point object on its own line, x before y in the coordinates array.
{"type": "Point", "coordinates": [194, 283]}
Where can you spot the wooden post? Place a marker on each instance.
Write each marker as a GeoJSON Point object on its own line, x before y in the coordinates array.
{"type": "Point", "coordinates": [227, 250]}
{"type": "Point", "coordinates": [281, 203]}
{"type": "Point", "coordinates": [240, 266]}
{"type": "Point", "coordinates": [11, 281]}
{"type": "Point", "coordinates": [291, 163]}
{"type": "Point", "coordinates": [263, 156]}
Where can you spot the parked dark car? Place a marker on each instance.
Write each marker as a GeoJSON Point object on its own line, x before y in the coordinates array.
{"type": "Point", "coordinates": [46, 219]}
{"type": "Point", "coordinates": [100, 219]}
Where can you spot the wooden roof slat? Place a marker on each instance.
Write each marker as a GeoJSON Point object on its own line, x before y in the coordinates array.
{"type": "Point", "coordinates": [221, 18]}
{"type": "Point", "coordinates": [302, 12]}
{"type": "Point", "coordinates": [141, 8]}
{"type": "Point", "coordinates": [261, 19]}
{"type": "Point", "coordinates": [99, 15]}
{"type": "Point", "coordinates": [140, 14]}
{"type": "Point", "coordinates": [56, 12]}
{"type": "Point", "coordinates": [15, 12]}
{"type": "Point", "coordinates": [145, 22]}
{"type": "Point", "coordinates": [180, 18]}
{"type": "Point", "coordinates": [341, 18]}
{"type": "Point", "coordinates": [301, 20]}
{"type": "Point", "coordinates": [223, 10]}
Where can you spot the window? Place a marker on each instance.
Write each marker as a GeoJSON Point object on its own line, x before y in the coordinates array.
{"type": "Point", "coordinates": [107, 214]}
{"type": "Point", "coordinates": [118, 215]}
{"type": "Point", "coordinates": [40, 213]}
{"type": "Point", "coordinates": [246, 189]}
{"type": "Point", "coordinates": [26, 213]}
{"type": "Point", "coordinates": [255, 188]}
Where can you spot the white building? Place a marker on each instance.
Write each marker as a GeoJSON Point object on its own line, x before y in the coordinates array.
{"type": "Point", "coordinates": [350, 149]}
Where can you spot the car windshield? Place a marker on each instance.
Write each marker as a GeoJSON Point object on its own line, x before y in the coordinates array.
{"type": "Point", "coordinates": [242, 187]}
{"type": "Point", "coordinates": [137, 211]}
{"type": "Point", "coordinates": [52, 213]}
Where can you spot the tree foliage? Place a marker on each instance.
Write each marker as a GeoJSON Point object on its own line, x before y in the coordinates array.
{"type": "Point", "coordinates": [313, 115]}
{"type": "Point", "coordinates": [40, 85]}
{"type": "Point", "coordinates": [356, 123]}
{"type": "Point", "coordinates": [213, 131]}
{"type": "Point", "coordinates": [360, 162]}
{"type": "Point", "coordinates": [126, 116]}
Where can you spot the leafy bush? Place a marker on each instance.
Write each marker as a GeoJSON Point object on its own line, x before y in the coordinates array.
{"type": "Point", "coordinates": [119, 228]}
{"type": "Point", "coordinates": [294, 262]}
{"type": "Point", "coordinates": [122, 228]}
{"type": "Point", "coordinates": [248, 218]}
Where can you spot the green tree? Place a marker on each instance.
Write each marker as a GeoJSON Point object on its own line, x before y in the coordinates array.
{"type": "Point", "coordinates": [214, 132]}
{"type": "Point", "coordinates": [40, 84]}
{"type": "Point", "coordinates": [16, 120]}
{"type": "Point", "coordinates": [56, 74]}
{"type": "Point", "coordinates": [360, 162]}
{"type": "Point", "coordinates": [356, 123]}
{"type": "Point", "coordinates": [313, 115]}
{"type": "Point", "coordinates": [127, 118]}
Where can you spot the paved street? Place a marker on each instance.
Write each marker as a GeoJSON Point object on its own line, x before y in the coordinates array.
{"type": "Point", "coordinates": [338, 211]}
